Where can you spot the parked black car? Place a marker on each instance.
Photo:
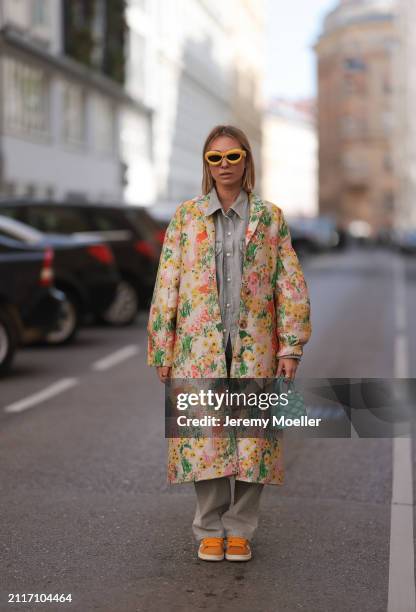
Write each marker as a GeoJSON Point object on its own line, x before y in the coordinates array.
{"type": "Point", "coordinates": [84, 270]}
{"type": "Point", "coordinates": [30, 306]}
{"type": "Point", "coordinates": [131, 232]}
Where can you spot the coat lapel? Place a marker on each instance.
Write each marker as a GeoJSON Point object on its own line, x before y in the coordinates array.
{"type": "Point", "coordinates": [256, 208]}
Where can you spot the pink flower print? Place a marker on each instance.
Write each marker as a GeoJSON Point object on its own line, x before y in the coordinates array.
{"type": "Point", "coordinates": [253, 282]}
{"type": "Point", "coordinates": [209, 460]}
{"type": "Point", "coordinates": [229, 470]}
{"type": "Point", "coordinates": [205, 317]}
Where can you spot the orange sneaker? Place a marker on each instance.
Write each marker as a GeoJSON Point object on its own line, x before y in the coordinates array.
{"type": "Point", "coordinates": [238, 549]}
{"type": "Point", "coordinates": [211, 549]}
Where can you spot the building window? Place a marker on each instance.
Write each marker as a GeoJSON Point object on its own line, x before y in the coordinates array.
{"type": "Point", "coordinates": [354, 64]}
{"type": "Point", "coordinates": [387, 122]}
{"type": "Point", "coordinates": [103, 125]}
{"type": "Point", "coordinates": [135, 69]}
{"type": "Point", "coordinates": [388, 162]}
{"type": "Point", "coordinates": [15, 12]}
{"type": "Point", "coordinates": [26, 98]}
{"type": "Point", "coordinates": [40, 12]}
{"type": "Point", "coordinates": [387, 87]}
{"type": "Point", "coordinates": [98, 29]}
{"type": "Point", "coordinates": [73, 114]}
{"type": "Point", "coordinates": [353, 127]}
{"type": "Point", "coordinates": [388, 201]}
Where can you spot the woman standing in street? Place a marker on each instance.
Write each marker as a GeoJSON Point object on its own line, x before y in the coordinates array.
{"type": "Point", "coordinates": [230, 300]}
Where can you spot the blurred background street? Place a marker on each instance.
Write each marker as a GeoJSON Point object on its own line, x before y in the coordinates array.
{"type": "Point", "coordinates": [104, 108]}
{"type": "Point", "coordinates": [87, 508]}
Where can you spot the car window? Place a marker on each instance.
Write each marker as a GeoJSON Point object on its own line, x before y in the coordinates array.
{"type": "Point", "coordinates": [142, 222]}
{"type": "Point", "coordinates": [108, 220]}
{"type": "Point", "coordinates": [56, 219]}
{"type": "Point", "coordinates": [10, 211]}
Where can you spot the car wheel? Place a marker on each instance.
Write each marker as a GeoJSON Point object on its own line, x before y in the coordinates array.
{"type": "Point", "coordinates": [8, 341]}
{"type": "Point", "coordinates": [68, 324]}
{"type": "Point", "coordinates": [124, 307]}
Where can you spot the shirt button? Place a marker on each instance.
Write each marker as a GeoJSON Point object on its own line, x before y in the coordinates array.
{"type": "Point", "coordinates": [228, 305]}
{"type": "Point", "coordinates": [228, 233]}
{"type": "Point", "coordinates": [228, 278]}
{"type": "Point", "coordinates": [228, 254]}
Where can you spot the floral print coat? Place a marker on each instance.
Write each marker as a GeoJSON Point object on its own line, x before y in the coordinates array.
{"type": "Point", "coordinates": [185, 329]}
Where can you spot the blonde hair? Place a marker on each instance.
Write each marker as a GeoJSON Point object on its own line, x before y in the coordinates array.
{"type": "Point", "coordinates": [249, 175]}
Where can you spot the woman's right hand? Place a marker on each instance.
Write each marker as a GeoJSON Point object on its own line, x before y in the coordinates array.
{"type": "Point", "coordinates": [163, 372]}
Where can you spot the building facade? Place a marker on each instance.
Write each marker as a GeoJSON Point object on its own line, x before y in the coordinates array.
{"type": "Point", "coordinates": [356, 116]}
{"type": "Point", "coordinates": [111, 100]}
{"type": "Point", "coordinates": [405, 143]}
{"type": "Point", "coordinates": [59, 120]}
{"type": "Point", "coordinates": [195, 63]}
{"type": "Point", "coordinates": [290, 151]}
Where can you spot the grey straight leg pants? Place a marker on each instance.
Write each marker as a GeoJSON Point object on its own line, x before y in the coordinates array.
{"type": "Point", "coordinates": [215, 516]}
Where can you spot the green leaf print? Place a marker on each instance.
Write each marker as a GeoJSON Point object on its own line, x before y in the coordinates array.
{"type": "Point", "coordinates": [157, 325]}
{"type": "Point", "coordinates": [186, 345]}
{"type": "Point", "coordinates": [171, 325]}
{"type": "Point", "coordinates": [212, 299]}
{"type": "Point", "coordinates": [159, 355]}
{"type": "Point", "coordinates": [186, 309]}
{"type": "Point", "coordinates": [243, 368]}
{"type": "Point", "coordinates": [279, 266]}
{"type": "Point", "coordinates": [186, 466]}
{"type": "Point", "coordinates": [243, 333]}
{"type": "Point", "coordinates": [232, 445]}
{"type": "Point", "coordinates": [167, 253]}
{"type": "Point", "coordinates": [292, 340]}
{"type": "Point", "coordinates": [283, 230]}
{"type": "Point", "coordinates": [262, 469]}
{"type": "Point", "coordinates": [267, 218]}
{"type": "Point", "coordinates": [251, 250]}
{"type": "Point", "coordinates": [274, 278]}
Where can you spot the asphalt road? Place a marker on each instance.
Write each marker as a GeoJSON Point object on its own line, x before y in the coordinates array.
{"type": "Point", "coordinates": [86, 510]}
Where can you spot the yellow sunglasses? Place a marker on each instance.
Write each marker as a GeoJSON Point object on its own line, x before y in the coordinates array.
{"type": "Point", "coordinates": [233, 156]}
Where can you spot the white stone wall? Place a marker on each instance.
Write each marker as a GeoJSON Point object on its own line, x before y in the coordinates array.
{"type": "Point", "coordinates": [192, 50]}
{"type": "Point", "coordinates": [40, 19]}
{"type": "Point", "coordinates": [290, 174]}
{"type": "Point", "coordinates": [43, 162]}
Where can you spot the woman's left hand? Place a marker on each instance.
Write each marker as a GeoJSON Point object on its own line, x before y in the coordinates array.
{"type": "Point", "coordinates": [287, 366]}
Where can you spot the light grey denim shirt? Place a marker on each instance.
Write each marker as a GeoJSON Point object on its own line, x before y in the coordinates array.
{"type": "Point", "coordinates": [230, 230]}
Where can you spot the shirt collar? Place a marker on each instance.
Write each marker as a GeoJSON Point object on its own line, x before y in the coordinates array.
{"type": "Point", "coordinates": [239, 205]}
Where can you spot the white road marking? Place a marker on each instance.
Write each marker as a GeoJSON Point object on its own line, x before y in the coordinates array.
{"type": "Point", "coordinates": [41, 396]}
{"type": "Point", "coordinates": [116, 357]}
{"type": "Point", "coordinates": [401, 596]}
